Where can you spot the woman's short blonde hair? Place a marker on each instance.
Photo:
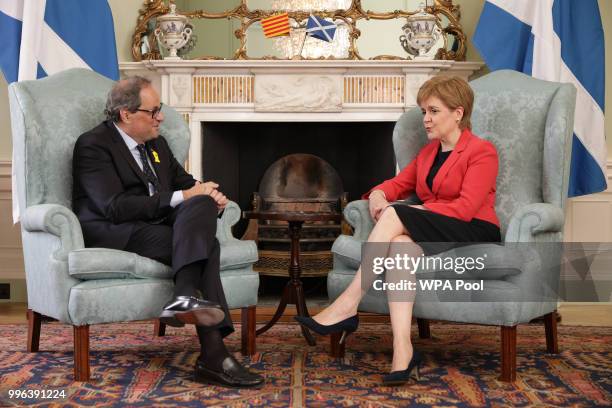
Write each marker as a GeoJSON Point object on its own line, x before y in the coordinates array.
{"type": "Point", "coordinates": [453, 92]}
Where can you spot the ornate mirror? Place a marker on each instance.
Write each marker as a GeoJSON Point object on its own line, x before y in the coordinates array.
{"type": "Point", "coordinates": [365, 29]}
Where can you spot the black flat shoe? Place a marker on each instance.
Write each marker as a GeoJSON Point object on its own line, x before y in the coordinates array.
{"type": "Point", "coordinates": [232, 374]}
{"type": "Point", "coordinates": [191, 310]}
{"type": "Point", "coordinates": [403, 376]}
{"type": "Point", "coordinates": [346, 326]}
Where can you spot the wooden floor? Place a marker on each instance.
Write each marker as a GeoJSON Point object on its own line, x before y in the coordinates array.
{"type": "Point", "coordinates": [571, 314]}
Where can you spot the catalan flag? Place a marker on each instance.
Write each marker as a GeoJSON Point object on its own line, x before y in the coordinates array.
{"type": "Point", "coordinates": [276, 25]}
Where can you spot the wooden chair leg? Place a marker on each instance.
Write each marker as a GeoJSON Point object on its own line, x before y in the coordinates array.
{"type": "Point", "coordinates": [337, 350]}
{"type": "Point", "coordinates": [81, 353]}
{"type": "Point", "coordinates": [34, 322]}
{"type": "Point", "coordinates": [550, 326]}
{"type": "Point", "coordinates": [424, 332]}
{"type": "Point", "coordinates": [248, 335]}
{"type": "Point", "coordinates": [508, 353]}
{"type": "Point", "coordinates": [159, 328]}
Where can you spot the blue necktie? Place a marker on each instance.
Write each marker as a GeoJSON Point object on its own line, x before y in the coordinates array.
{"type": "Point", "coordinates": [151, 178]}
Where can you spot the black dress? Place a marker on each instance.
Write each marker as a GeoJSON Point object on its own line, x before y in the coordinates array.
{"type": "Point", "coordinates": [437, 232]}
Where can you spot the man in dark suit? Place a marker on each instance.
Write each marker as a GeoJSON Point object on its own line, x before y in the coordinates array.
{"type": "Point", "coordinates": [130, 193]}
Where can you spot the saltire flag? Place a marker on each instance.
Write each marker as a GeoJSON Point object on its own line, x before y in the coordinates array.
{"type": "Point", "coordinates": [562, 41]}
{"type": "Point", "coordinates": [319, 28]}
{"type": "Point", "coordinates": [276, 25]}
{"type": "Point", "coordinates": [43, 37]}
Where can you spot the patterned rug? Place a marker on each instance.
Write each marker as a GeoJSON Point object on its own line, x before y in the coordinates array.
{"type": "Point", "coordinates": [131, 368]}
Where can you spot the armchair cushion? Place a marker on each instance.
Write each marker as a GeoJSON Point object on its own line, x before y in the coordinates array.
{"type": "Point", "coordinates": [501, 260]}
{"type": "Point", "coordinates": [104, 263]}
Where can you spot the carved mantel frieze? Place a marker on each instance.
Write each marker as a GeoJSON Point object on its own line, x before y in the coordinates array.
{"type": "Point", "coordinates": [298, 93]}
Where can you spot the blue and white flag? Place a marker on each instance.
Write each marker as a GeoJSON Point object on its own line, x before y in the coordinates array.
{"type": "Point", "coordinates": [563, 41]}
{"type": "Point", "coordinates": [43, 37]}
{"type": "Point", "coordinates": [319, 28]}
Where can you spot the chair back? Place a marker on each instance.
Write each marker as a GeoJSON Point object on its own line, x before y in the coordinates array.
{"type": "Point", "coordinates": [529, 121]}
{"type": "Point", "coordinates": [47, 117]}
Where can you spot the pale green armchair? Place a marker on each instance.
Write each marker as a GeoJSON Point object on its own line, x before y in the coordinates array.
{"type": "Point", "coordinates": [83, 286]}
{"type": "Point", "coordinates": [530, 122]}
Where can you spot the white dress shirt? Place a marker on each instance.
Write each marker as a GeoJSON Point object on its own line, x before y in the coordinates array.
{"type": "Point", "coordinates": [177, 196]}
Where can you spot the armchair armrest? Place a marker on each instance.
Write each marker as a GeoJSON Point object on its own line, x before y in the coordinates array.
{"type": "Point", "coordinates": [231, 215]}
{"type": "Point", "coordinates": [357, 214]}
{"type": "Point", "coordinates": [534, 219]}
{"type": "Point", "coordinates": [56, 220]}
{"type": "Point", "coordinates": [235, 253]}
{"type": "Point", "coordinates": [50, 232]}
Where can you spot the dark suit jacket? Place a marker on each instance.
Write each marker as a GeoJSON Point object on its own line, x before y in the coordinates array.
{"type": "Point", "coordinates": [463, 188]}
{"type": "Point", "coordinates": [110, 192]}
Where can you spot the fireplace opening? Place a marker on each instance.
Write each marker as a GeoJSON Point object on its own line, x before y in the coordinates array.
{"type": "Point", "coordinates": [237, 155]}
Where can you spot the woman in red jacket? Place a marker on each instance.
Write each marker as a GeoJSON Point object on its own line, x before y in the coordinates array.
{"type": "Point", "coordinates": [454, 176]}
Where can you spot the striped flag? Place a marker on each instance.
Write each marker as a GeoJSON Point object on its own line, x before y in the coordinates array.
{"type": "Point", "coordinates": [562, 41]}
{"type": "Point", "coordinates": [43, 37]}
{"type": "Point", "coordinates": [276, 25]}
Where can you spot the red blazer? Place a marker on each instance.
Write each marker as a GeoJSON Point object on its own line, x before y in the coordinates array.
{"type": "Point", "coordinates": [463, 188]}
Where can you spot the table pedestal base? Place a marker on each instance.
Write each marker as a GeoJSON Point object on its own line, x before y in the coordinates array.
{"type": "Point", "coordinates": [293, 294]}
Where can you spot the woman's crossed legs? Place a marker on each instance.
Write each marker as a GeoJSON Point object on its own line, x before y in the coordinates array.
{"type": "Point", "coordinates": [390, 230]}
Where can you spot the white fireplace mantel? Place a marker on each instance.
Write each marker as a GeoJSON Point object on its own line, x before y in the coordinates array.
{"type": "Point", "coordinates": [289, 91]}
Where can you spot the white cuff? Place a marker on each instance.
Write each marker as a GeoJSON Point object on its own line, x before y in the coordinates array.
{"type": "Point", "coordinates": [177, 198]}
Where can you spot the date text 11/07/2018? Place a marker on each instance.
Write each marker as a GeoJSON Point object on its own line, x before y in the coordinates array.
{"type": "Point", "coordinates": [429, 284]}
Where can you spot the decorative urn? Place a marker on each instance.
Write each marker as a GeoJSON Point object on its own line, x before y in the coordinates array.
{"type": "Point", "coordinates": [173, 32]}
{"type": "Point", "coordinates": [421, 32]}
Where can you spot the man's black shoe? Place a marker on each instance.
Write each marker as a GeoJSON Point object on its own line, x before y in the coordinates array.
{"type": "Point", "coordinates": [233, 374]}
{"type": "Point", "coordinates": [191, 310]}
{"type": "Point", "coordinates": [168, 317]}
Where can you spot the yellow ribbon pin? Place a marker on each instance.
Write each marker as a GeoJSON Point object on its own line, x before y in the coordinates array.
{"type": "Point", "coordinates": [155, 156]}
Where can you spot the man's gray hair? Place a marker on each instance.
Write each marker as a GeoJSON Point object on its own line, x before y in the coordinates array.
{"type": "Point", "coordinates": [125, 94]}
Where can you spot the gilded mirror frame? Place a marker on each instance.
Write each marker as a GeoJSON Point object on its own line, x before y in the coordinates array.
{"type": "Point", "coordinates": [153, 8]}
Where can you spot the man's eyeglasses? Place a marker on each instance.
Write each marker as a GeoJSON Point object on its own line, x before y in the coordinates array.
{"type": "Point", "coordinates": [154, 112]}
